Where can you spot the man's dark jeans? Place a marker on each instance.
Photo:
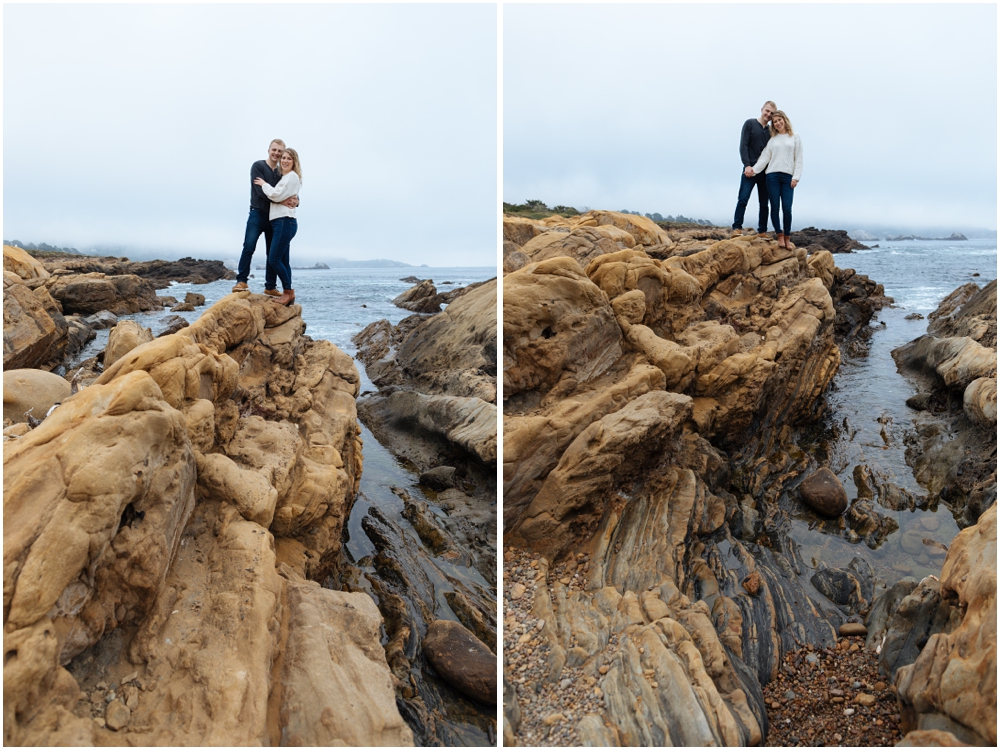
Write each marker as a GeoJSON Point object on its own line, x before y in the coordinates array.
{"type": "Point", "coordinates": [746, 187]}
{"type": "Point", "coordinates": [257, 224]}
{"type": "Point", "coordinates": [779, 188]}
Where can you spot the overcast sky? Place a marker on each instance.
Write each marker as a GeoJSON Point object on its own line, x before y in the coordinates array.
{"type": "Point", "coordinates": [136, 125]}
{"type": "Point", "coordinates": [640, 107]}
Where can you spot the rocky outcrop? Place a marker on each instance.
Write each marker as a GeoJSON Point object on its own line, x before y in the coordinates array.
{"type": "Point", "coordinates": [421, 298]}
{"type": "Point", "coordinates": [831, 240]}
{"type": "Point", "coordinates": [947, 683]}
{"type": "Point", "coordinates": [955, 367]}
{"type": "Point", "coordinates": [436, 408]}
{"type": "Point", "coordinates": [85, 294]}
{"type": "Point", "coordinates": [35, 333]}
{"type": "Point", "coordinates": [158, 529]}
{"type": "Point", "coordinates": [445, 364]}
{"type": "Point", "coordinates": [650, 396]}
{"type": "Point", "coordinates": [159, 273]}
{"type": "Point", "coordinates": [29, 394]}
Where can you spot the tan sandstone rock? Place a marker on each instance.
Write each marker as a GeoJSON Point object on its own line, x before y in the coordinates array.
{"type": "Point", "coordinates": [31, 391]}
{"type": "Point", "coordinates": [123, 338]}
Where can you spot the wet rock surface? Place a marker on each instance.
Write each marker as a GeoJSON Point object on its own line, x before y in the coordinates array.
{"type": "Point", "coordinates": [433, 563]}
{"type": "Point", "coordinates": [831, 240]}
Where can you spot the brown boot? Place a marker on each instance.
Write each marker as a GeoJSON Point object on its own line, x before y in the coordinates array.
{"type": "Point", "coordinates": [241, 286]}
{"type": "Point", "coordinates": [781, 240]}
{"type": "Point", "coordinates": [287, 297]}
{"type": "Point", "coordinates": [272, 292]}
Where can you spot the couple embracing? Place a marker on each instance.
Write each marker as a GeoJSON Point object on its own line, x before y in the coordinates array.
{"type": "Point", "coordinates": [772, 160]}
{"type": "Point", "coordinates": [274, 196]}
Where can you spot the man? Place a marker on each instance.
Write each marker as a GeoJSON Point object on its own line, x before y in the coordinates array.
{"type": "Point", "coordinates": [260, 207]}
{"type": "Point", "coordinates": [753, 139]}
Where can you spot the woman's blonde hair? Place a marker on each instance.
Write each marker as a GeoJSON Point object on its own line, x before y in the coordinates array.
{"type": "Point", "coordinates": [774, 130]}
{"type": "Point", "coordinates": [296, 165]}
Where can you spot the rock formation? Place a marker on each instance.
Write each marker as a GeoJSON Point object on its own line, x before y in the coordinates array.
{"type": "Point", "coordinates": [160, 528]}
{"type": "Point", "coordinates": [159, 273]}
{"type": "Point", "coordinates": [436, 408]}
{"type": "Point", "coordinates": [955, 367]}
{"type": "Point", "coordinates": [652, 386]}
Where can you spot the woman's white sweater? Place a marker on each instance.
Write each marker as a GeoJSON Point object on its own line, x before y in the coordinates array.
{"type": "Point", "coordinates": [287, 186]}
{"type": "Point", "coordinates": [783, 153]}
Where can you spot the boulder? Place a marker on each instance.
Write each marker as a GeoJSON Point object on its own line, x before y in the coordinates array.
{"type": "Point", "coordinates": [462, 660]}
{"type": "Point", "coordinates": [89, 293]}
{"type": "Point", "coordinates": [34, 330]}
{"type": "Point", "coordinates": [439, 478]}
{"type": "Point", "coordinates": [102, 319]}
{"type": "Point", "coordinates": [421, 298]}
{"type": "Point", "coordinates": [125, 337]}
{"type": "Point", "coordinates": [336, 688]}
{"type": "Point", "coordinates": [192, 298]}
{"type": "Point", "coordinates": [824, 493]}
{"type": "Point", "coordinates": [172, 324]}
{"type": "Point", "coordinates": [31, 391]}
{"type": "Point", "coordinates": [18, 261]}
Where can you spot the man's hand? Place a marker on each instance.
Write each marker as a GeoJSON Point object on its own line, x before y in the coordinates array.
{"type": "Point", "coordinates": [794, 183]}
{"type": "Point", "coordinates": [748, 172]}
{"type": "Point", "coordinates": [292, 202]}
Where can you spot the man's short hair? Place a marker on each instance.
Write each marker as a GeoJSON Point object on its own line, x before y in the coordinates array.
{"type": "Point", "coordinates": [761, 106]}
{"type": "Point", "coordinates": [282, 143]}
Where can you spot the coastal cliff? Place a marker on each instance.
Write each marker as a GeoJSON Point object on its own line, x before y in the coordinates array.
{"type": "Point", "coordinates": [661, 392]}
{"type": "Point", "coordinates": [164, 529]}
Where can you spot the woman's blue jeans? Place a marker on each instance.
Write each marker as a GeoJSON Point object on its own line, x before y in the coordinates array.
{"type": "Point", "coordinates": [779, 188]}
{"type": "Point", "coordinates": [278, 265]}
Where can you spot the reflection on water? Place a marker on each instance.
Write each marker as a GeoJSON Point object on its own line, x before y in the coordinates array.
{"type": "Point", "coordinates": [869, 420]}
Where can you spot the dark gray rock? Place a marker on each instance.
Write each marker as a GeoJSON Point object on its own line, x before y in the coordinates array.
{"type": "Point", "coordinates": [919, 615]}
{"type": "Point", "coordinates": [883, 608]}
{"type": "Point", "coordinates": [101, 320]}
{"type": "Point", "coordinates": [841, 587]}
{"type": "Point", "coordinates": [462, 660]}
{"type": "Point", "coordinates": [824, 493]}
{"type": "Point", "coordinates": [439, 478]}
{"type": "Point", "coordinates": [172, 324]}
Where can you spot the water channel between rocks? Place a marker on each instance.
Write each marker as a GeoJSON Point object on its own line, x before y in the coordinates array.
{"type": "Point", "coordinates": [868, 420]}
{"type": "Point", "coordinates": [337, 303]}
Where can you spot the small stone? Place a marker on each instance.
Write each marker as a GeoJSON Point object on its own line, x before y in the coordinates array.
{"type": "Point", "coordinates": [565, 683]}
{"type": "Point", "coordinates": [524, 638]}
{"type": "Point", "coordinates": [854, 647]}
{"type": "Point", "coordinates": [856, 685]}
{"type": "Point", "coordinates": [929, 522]}
{"type": "Point", "coordinates": [879, 686]}
{"type": "Point", "coordinates": [853, 628]}
{"type": "Point", "coordinates": [775, 705]}
{"type": "Point", "coordinates": [603, 669]}
{"type": "Point", "coordinates": [864, 699]}
{"type": "Point", "coordinates": [836, 699]}
{"type": "Point", "coordinates": [564, 581]}
{"type": "Point", "coordinates": [848, 712]}
{"type": "Point", "coordinates": [102, 685]}
{"type": "Point", "coordinates": [517, 591]}
{"type": "Point", "coordinates": [130, 677]}
{"type": "Point", "coordinates": [812, 658]}
{"type": "Point", "coordinates": [598, 692]}
{"type": "Point", "coordinates": [789, 695]}
{"type": "Point", "coordinates": [553, 719]}
{"type": "Point", "coordinates": [100, 722]}
{"type": "Point", "coordinates": [117, 715]}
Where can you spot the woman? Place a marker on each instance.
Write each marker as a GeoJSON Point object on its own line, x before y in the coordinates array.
{"type": "Point", "coordinates": [783, 158]}
{"type": "Point", "coordinates": [283, 225]}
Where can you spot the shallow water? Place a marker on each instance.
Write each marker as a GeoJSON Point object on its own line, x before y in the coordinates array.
{"type": "Point", "coordinates": [867, 403]}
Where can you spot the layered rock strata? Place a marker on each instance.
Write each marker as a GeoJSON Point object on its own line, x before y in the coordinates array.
{"type": "Point", "coordinates": [650, 396]}
{"type": "Point", "coordinates": [160, 526]}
